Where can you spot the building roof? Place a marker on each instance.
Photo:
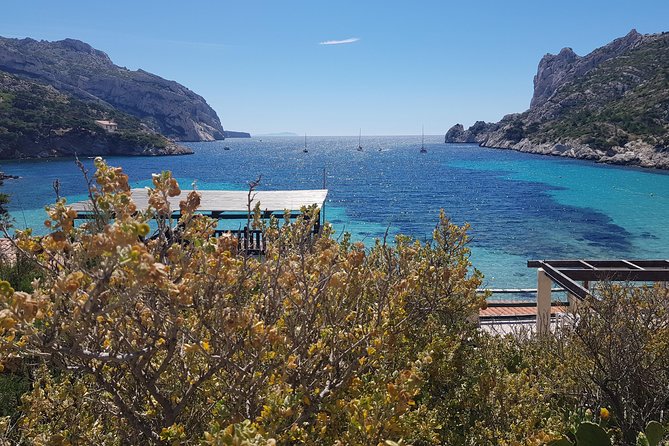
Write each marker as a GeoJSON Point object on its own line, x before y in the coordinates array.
{"type": "Point", "coordinates": [228, 201]}
{"type": "Point", "coordinates": [102, 122]}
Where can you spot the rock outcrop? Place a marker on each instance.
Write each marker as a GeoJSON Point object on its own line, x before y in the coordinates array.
{"type": "Point", "coordinates": [611, 106]}
{"type": "Point", "coordinates": [476, 133]}
{"type": "Point", "coordinates": [78, 69]}
{"type": "Point", "coordinates": [231, 134]}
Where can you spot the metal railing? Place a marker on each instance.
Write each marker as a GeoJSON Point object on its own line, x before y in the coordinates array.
{"type": "Point", "coordinates": [516, 291]}
{"type": "Point", "coordinates": [249, 241]}
{"type": "Point", "coordinates": [533, 302]}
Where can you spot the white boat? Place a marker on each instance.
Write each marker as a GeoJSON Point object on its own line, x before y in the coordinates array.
{"type": "Point", "coordinates": [305, 144]}
{"type": "Point", "coordinates": [360, 141]}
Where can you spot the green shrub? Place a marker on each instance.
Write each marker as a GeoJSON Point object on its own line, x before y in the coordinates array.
{"type": "Point", "coordinates": [20, 273]}
{"type": "Point", "coordinates": [12, 386]}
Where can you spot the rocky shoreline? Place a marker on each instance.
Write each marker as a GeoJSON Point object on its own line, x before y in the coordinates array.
{"type": "Point", "coordinates": [98, 149]}
{"type": "Point", "coordinates": [634, 153]}
{"type": "Point", "coordinates": [50, 155]}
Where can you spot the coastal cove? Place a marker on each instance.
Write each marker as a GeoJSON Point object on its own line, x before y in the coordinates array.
{"type": "Point", "coordinates": [520, 206]}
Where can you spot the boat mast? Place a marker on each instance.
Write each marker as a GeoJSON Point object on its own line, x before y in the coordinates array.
{"type": "Point", "coordinates": [422, 142]}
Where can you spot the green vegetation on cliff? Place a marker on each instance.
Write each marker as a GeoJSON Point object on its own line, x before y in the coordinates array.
{"type": "Point", "coordinates": [624, 99]}
{"type": "Point", "coordinates": [37, 120]}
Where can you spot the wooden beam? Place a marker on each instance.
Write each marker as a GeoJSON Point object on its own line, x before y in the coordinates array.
{"type": "Point", "coordinates": [564, 281]}
{"type": "Point", "coordinates": [567, 273]}
{"type": "Point", "coordinates": [543, 302]}
{"type": "Point", "coordinates": [617, 274]}
{"type": "Point", "coordinates": [631, 265]}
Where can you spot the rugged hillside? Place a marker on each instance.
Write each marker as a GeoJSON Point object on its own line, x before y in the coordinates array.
{"type": "Point", "coordinates": [78, 69]}
{"type": "Point", "coordinates": [38, 121]}
{"type": "Point", "coordinates": [611, 106]}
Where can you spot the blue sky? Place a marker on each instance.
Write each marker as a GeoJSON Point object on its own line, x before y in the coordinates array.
{"type": "Point", "coordinates": [259, 63]}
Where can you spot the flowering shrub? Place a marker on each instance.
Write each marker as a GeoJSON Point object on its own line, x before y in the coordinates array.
{"type": "Point", "coordinates": [180, 339]}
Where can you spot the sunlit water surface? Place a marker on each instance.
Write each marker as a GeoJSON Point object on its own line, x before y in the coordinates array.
{"type": "Point", "coordinates": [520, 206]}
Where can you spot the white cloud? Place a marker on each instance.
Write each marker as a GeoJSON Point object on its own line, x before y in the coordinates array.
{"type": "Point", "coordinates": [340, 42]}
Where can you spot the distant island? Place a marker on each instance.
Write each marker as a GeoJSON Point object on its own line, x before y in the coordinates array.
{"type": "Point", "coordinates": [71, 85]}
{"type": "Point", "coordinates": [610, 106]}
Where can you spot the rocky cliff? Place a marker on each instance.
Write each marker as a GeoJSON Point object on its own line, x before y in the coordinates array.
{"type": "Point", "coordinates": [37, 121]}
{"type": "Point", "coordinates": [557, 70]}
{"type": "Point", "coordinates": [78, 69]}
{"type": "Point", "coordinates": [611, 105]}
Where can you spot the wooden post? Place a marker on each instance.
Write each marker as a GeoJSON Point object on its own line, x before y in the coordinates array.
{"type": "Point", "coordinates": [573, 302]}
{"type": "Point", "coordinates": [544, 284]}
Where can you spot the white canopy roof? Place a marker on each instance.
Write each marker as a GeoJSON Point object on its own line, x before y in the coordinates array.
{"type": "Point", "coordinates": [232, 201]}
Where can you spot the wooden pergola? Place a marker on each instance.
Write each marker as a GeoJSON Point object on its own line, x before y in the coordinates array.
{"type": "Point", "coordinates": [575, 277]}
{"type": "Point", "coordinates": [233, 205]}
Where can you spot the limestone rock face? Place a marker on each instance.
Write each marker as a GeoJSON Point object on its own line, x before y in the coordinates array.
{"type": "Point", "coordinates": [78, 69]}
{"type": "Point", "coordinates": [557, 70]}
{"type": "Point", "coordinates": [455, 134]}
{"type": "Point", "coordinates": [608, 106]}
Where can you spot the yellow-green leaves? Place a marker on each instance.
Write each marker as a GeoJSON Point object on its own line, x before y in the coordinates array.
{"type": "Point", "coordinates": [179, 338]}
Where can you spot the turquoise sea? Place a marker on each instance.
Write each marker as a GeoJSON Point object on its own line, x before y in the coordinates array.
{"type": "Point", "coordinates": [520, 206]}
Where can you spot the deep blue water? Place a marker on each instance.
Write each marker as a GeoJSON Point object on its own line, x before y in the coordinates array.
{"type": "Point", "coordinates": [520, 206]}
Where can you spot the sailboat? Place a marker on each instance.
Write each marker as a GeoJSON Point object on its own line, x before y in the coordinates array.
{"type": "Point", "coordinates": [422, 144]}
{"type": "Point", "coordinates": [360, 141]}
{"type": "Point", "coordinates": [305, 144]}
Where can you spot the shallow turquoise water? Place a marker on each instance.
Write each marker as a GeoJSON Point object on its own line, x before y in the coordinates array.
{"type": "Point", "coordinates": [520, 206]}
